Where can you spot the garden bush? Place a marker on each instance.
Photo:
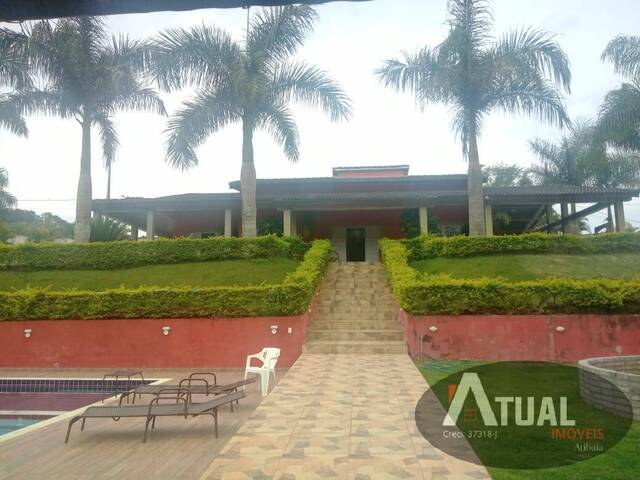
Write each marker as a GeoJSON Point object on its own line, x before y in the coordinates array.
{"type": "Point", "coordinates": [420, 294]}
{"type": "Point", "coordinates": [532, 243]}
{"type": "Point", "coordinates": [124, 254]}
{"type": "Point", "coordinates": [291, 297]}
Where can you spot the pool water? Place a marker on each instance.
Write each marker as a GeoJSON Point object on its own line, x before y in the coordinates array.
{"type": "Point", "coordinates": [8, 425]}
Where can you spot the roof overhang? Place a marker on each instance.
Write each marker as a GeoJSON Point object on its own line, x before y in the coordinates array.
{"type": "Point", "coordinates": [19, 10]}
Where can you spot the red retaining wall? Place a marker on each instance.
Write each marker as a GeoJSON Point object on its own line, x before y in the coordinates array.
{"type": "Point", "coordinates": [192, 342]}
{"type": "Point", "coordinates": [522, 337]}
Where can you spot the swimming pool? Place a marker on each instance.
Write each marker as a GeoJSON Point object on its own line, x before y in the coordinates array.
{"type": "Point", "coordinates": [27, 401]}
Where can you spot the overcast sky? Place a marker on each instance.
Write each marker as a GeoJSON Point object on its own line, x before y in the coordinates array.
{"type": "Point", "coordinates": [350, 41]}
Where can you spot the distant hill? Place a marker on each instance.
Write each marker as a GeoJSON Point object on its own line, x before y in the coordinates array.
{"type": "Point", "coordinates": [37, 227]}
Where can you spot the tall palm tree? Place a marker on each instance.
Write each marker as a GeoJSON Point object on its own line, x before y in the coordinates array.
{"type": "Point", "coordinates": [6, 199]}
{"type": "Point", "coordinates": [252, 83]}
{"type": "Point", "coordinates": [14, 73]}
{"type": "Point", "coordinates": [474, 74]}
{"type": "Point", "coordinates": [89, 76]}
{"type": "Point", "coordinates": [620, 113]}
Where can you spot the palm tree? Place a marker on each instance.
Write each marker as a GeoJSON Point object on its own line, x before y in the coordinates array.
{"type": "Point", "coordinates": [584, 158]}
{"type": "Point", "coordinates": [251, 83]}
{"type": "Point", "coordinates": [90, 77]}
{"type": "Point", "coordinates": [620, 113]}
{"type": "Point", "coordinates": [14, 72]}
{"type": "Point", "coordinates": [6, 199]}
{"type": "Point", "coordinates": [474, 74]}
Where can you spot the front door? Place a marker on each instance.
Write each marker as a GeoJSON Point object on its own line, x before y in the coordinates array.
{"type": "Point", "coordinates": [356, 250]}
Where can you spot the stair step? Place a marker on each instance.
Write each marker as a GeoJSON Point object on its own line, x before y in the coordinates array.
{"type": "Point", "coordinates": [355, 325]}
{"type": "Point", "coordinates": [354, 347]}
{"type": "Point", "coordinates": [351, 335]}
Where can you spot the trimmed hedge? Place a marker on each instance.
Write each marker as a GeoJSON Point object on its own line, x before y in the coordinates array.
{"type": "Point", "coordinates": [116, 255]}
{"type": "Point", "coordinates": [532, 243]}
{"type": "Point", "coordinates": [291, 297]}
{"type": "Point", "coordinates": [420, 294]}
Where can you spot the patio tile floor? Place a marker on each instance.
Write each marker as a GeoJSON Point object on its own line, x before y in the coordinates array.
{"type": "Point", "coordinates": [339, 417]}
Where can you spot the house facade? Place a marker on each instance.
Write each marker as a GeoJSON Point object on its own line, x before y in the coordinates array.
{"type": "Point", "coordinates": [357, 206]}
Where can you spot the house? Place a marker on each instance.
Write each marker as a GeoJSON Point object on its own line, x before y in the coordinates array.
{"type": "Point", "coordinates": [358, 205]}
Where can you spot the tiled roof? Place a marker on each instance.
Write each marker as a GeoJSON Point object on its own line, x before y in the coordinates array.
{"type": "Point", "coordinates": [557, 190]}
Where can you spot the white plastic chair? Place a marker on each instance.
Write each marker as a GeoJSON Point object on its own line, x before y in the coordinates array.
{"type": "Point", "coordinates": [269, 357]}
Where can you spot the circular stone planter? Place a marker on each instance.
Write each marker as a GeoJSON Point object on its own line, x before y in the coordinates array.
{"type": "Point", "coordinates": [596, 377]}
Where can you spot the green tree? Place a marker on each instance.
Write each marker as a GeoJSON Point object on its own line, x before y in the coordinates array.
{"type": "Point", "coordinates": [502, 175]}
{"type": "Point", "coordinates": [89, 77]}
{"type": "Point", "coordinates": [475, 74]}
{"type": "Point", "coordinates": [620, 113]}
{"type": "Point", "coordinates": [6, 199]}
{"type": "Point", "coordinates": [252, 83]}
{"type": "Point", "coordinates": [14, 73]}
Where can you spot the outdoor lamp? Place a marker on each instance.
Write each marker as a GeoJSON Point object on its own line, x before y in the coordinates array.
{"type": "Point", "coordinates": [433, 328]}
{"type": "Point", "coordinates": [27, 332]}
{"type": "Point", "coordinates": [560, 329]}
{"type": "Point", "coordinates": [274, 329]}
{"type": "Point", "coordinates": [166, 329]}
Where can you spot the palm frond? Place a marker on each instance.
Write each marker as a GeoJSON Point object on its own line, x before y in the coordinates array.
{"type": "Point", "coordinates": [140, 99]}
{"type": "Point", "coordinates": [203, 56]}
{"type": "Point", "coordinates": [529, 96]}
{"type": "Point", "coordinates": [624, 53]}
{"type": "Point", "coordinates": [198, 118]}
{"type": "Point", "coordinates": [279, 122]}
{"type": "Point", "coordinates": [422, 74]}
{"type": "Point", "coordinates": [530, 53]}
{"type": "Point", "coordinates": [48, 102]}
{"type": "Point", "coordinates": [14, 60]}
{"type": "Point", "coordinates": [471, 21]}
{"type": "Point", "coordinates": [312, 86]}
{"type": "Point", "coordinates": [6, 199]}
{"type": "Point", "coordinates": [276, 33]}
{"type": "Point", "coordinates": [108, 137]}
{"type": "Point", "coordinates": [11, 115]}
{"type": "Point", "coordinates": [619, 120]}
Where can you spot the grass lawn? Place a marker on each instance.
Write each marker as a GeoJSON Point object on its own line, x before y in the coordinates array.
{"type": "Point", "coordinates": [530, 267]}
{"type": "Point", "coordinates": [205, 274]}
{"type": "Point", "coordinates": [620, 462]}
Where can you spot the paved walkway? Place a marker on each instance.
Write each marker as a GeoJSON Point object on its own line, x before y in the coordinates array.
{"type": "Point", "coordinates": [339, 416]}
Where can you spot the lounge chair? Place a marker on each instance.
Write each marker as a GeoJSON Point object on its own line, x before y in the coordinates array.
{"type": "Point", "coordinates": [195, 384]}
{"type": "Point", "coordinates": [181, 407]}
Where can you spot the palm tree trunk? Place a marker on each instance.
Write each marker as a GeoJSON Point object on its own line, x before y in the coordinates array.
{"type": "Point", "coordinates": [248, 181]}
{"type": "Point", "coordinates": [474, 188]}
{"type": "Point", "coordinates": [109, 181]}
{"type": "Point", "coordinates": [82, 229]}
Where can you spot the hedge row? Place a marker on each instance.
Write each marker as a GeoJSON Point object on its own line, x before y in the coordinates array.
{"type": "Point", "coordinates": [291, 297]}
{"type": "Point", "coordinates": [115, 255]}
{"type": "Point", "coordinates": [533, 243]}
{"type": "Point", "coordinates": [420, 294]}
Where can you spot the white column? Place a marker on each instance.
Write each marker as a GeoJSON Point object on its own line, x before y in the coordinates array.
{"type": "Point", "coordinates": [488, 218]}
{"type": "Point", "coordinates": [618, 209]}
{"type": "Point", "coordinates": [286, 222]}
{"type": "Point", "coordinates": [227, 222]}
{"type": "Point", "coordinates": [150, 225]}
{"type": "Point", "coordinates": [424, 221]}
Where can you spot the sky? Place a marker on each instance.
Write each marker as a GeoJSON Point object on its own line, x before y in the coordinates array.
{"type": "Point", "coordinates": [350, 41]}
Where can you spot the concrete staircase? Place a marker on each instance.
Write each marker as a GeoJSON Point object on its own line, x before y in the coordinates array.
{"type": "Point", "coordinates": [355, 312]}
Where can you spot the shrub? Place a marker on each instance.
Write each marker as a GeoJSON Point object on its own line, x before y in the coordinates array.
{"type": "Point", "coordinates": [533, 243]}
{"type": "Point", "coordinates": [124, 254]}
{"type": "Point", "coordinates": [291, 297]}
{"type": "Point", "coordinates": [440, 294]}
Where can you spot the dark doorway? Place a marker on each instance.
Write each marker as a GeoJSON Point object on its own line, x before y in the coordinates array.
{"type": "Point", "coordinates": [355, 245]}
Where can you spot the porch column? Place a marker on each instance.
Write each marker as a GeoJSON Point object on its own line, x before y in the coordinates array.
{"type": "Point", "coordinates": [227, 222]}
{"type": "Point", "coordinates": [488, 218]}
{"type": "Point", "coordinates": [549, 215]}
{"type": "Point", "coordinates": [286, 222]}
{"type": "Point", "coordinates": [134, 233]}
{"type": "Point", "coordinates": [424, 221]}
{"type": "Point", "coordinates": [564, 213]}
{"type": "Point", "coordinates": [618, 209]}
{"type": "Point", "coordinates": [294, 224]}
{"type": "Point", "coordinates": [150, 224]}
